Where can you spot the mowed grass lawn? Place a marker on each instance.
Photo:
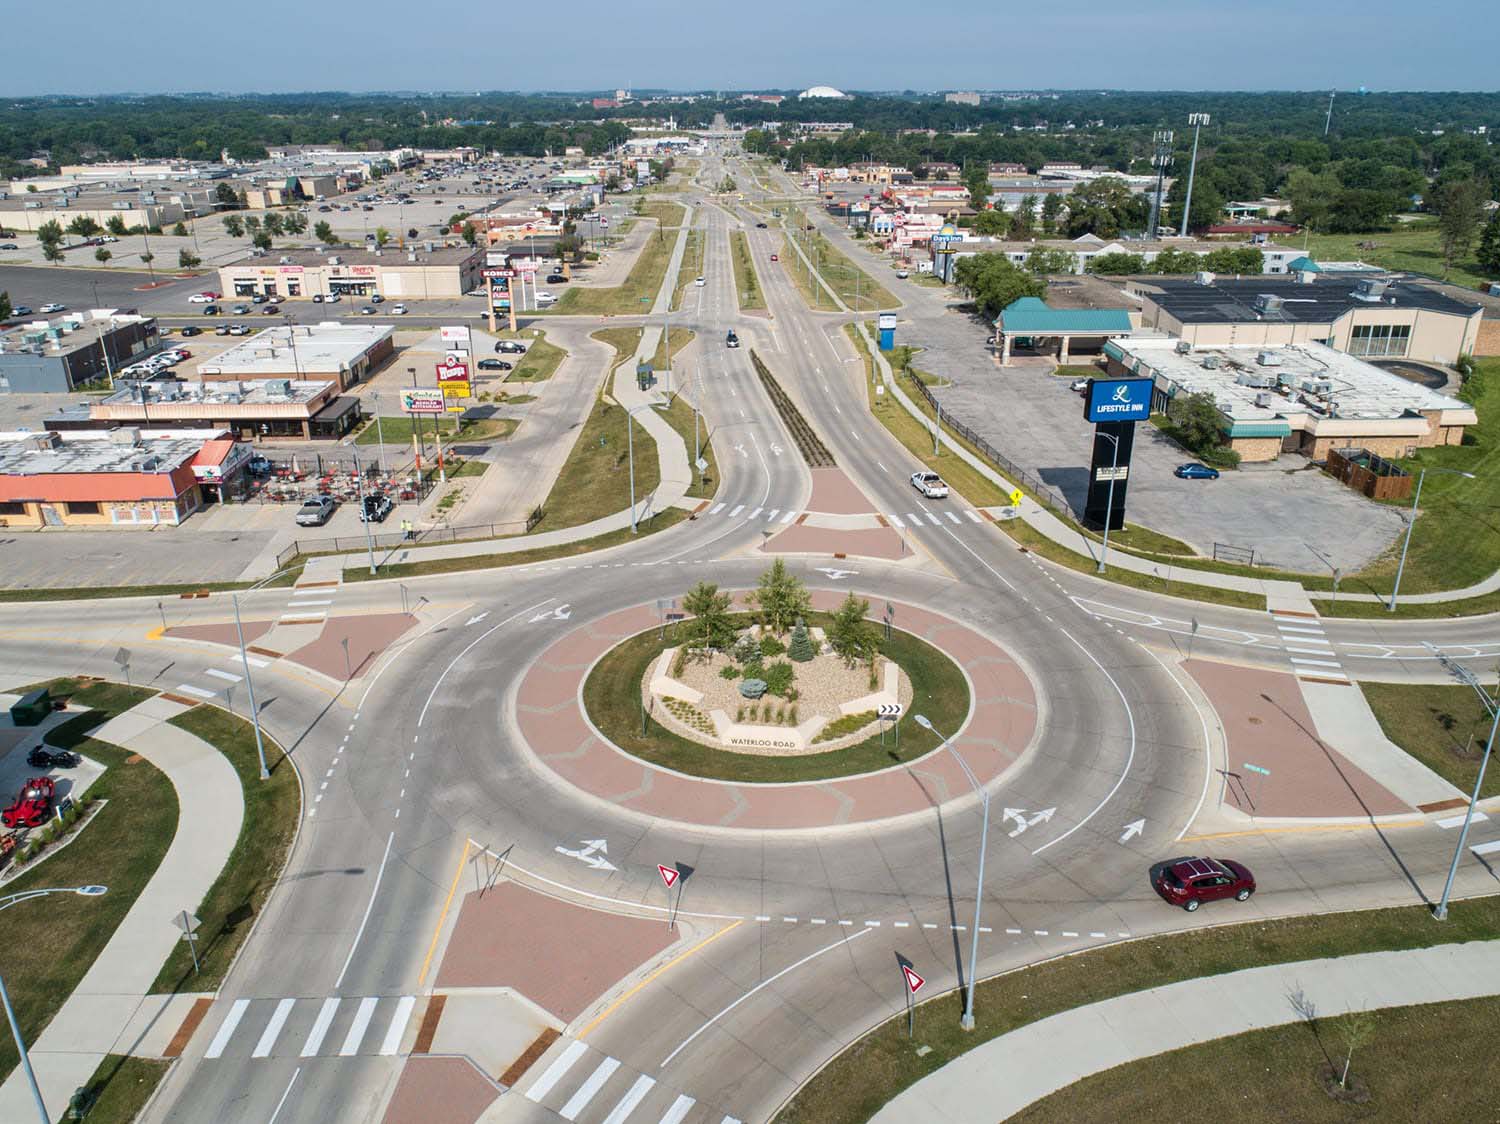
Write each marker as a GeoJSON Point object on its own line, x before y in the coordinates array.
{"type": "Point", "coordinates": [612, 694]}
{"type": "Point", "coordinates": [1456, 541]}
{"type": "Point", "coordinates": [1442, 725]}
{"type": "Point", "coordinates": [1424, 1063]}
{"type": "Point", "coordinates": [49, 945]}
{"type": "Point", "coordinates": [1414, 247]}
{"type": "Point", "coordinates": [540, 362]}
{"type": "Point", "coordinates": [746, 280]}
{"type": "Point", "coordinates": [595, 479]}
{"type": "Point", "coordinates": [680, 417]}
{"type": "Point", "coordinates": [864, 1077]}
{"type": "Point", "coordinates": [690, 269]}
{"type": "Point", "coordinates": [855, 287]}
{"type": "Point", "coordinates": [645, 277]}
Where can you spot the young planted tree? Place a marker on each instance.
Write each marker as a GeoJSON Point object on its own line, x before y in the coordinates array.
{"type": "Point", "coordinates": [710, 611]}
{"type": "Point", "coordinates": [261, 240]}
{"type": "Point", "coordinates": [187, 260]}
{"type": "Point", "coordinates": [272, 223]}
{"type": "Point", "coordinates": [148, 258]}
{"type": "Point", "coordinates": [780, 598]}
{"type": "Point", "coordinates": [801, 648]}
{"type": "Point", "coordinates": [1357, 1029]}
{"type": "Point", "coordinates": [324, 234]}
{"type": "Point", "coordinates": [849, 634]}
{"type": "Point", "coordinates": [101, 255]}
{"type": "Point", "coordinates": [52, 252]}
{"type": "Point", "coordinates": [84, 227]}
{"type": "Point", "coordinates": [234, 226]}
{"type": "Point", "coordinates": [294, 222]}
{"type": "Point", "coordinates": [382, 236]}
{"type": "Point", "coordinates": [50, 233]}
{"type": "Point", "coordinates": [116, 226]}
{"type": "Point", "coordinates": [180, 231]}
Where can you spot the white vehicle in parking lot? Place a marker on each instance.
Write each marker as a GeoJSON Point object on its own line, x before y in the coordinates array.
{"type": "Point", "coordinates": [544, 298]}
{"type": "Point", "coordinates": [930, 484]}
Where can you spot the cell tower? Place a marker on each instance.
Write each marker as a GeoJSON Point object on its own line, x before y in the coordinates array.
{"type": "Point", "coordinates": [1161, 156]}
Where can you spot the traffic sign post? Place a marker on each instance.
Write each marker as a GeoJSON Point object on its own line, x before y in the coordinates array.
{"type": "Point", "coordinates": [189, 923]}
{"type": "Point", "coordinates": [914, 984]}
{"type": "Point", "coordinates": [671, 876]}
{"type": "Point", "coordinates": [890, 712]}
{"type": "Point", "coordinates": [1262, 772]}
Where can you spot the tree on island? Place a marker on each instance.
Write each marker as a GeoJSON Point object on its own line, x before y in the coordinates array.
{"type": "Point", "coordinates": [801, 648]}
{"type": "Point", "coordinates": [850, 635]}
{"type": "Point", "coordinates": [710, 611]}
{"type": "Point", "coordinates": [780, 598]}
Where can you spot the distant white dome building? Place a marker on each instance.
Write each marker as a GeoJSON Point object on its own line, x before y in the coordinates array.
{"type": "Point", "coordinates": [822, 92]}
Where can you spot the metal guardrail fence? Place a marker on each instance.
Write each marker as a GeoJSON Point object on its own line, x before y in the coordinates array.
{"type": "Point", "coordinates": [385, 540]}
{"type": "Point", "coordinates": [1045, 493]}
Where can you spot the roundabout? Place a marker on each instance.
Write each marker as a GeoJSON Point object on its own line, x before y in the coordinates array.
{"type": "Point", "coordinates": [968, 680]}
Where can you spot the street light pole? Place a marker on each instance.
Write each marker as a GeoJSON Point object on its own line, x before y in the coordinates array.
{"type": "Point", "coordinates": [1109, 507]}
{"type": "Point", "coordinates": [1411, 522]}
{"type": "Point", "coordinates": [379, 432]}
{"type": "Point", "coordinates": [967, 1021]}
{"type": "Point", "coordinates": [10, 1014]}
{"type": "Point", "coordinates": [260, 745]}
{"type": "Point", "coordinates": [364, 515]}
{"type": "Point", "coordinates": [1441, 912]}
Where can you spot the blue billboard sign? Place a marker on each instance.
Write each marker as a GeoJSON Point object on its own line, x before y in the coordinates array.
{"type": "Point", "coordinates": [1118, 400]}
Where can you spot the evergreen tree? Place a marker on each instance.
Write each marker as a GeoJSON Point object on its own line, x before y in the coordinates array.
{"type": "Point", "coordinates": [1488, 255]}
{"type": "Point", "coordinates": [801, 648]}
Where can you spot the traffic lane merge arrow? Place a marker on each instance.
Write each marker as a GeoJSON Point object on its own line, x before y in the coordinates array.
{"type": "Point", "coordinates": [1132, 829]}
{"type": "Point", "coordinates": [669, 875]}
{"type": "Point", "coordinates": [914, 982]}
{"type": "Point", "coordinates": [476, 619]}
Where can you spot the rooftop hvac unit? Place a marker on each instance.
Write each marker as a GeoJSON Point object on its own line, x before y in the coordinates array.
{"type": "Point", "coordinates": [1250, 378]}
{"type": "Point", "coordinates": [1370, 289]}
{"type": "Point", "coordinates": [1267, 302]}
{"type": "Point", "coordinates": [282, 387]}
{"type": "Point", "coordinates": [1182, 347]}
{"type": "Point", "coordinates": [125, 435]}
{"type": "Point", "coordinates": [411, 255]}
{"type": "Point", "coordinates": [1204, 277]}
{"type": "Point", "coordinates": [1268, 359]}
{"type": "Point", "coordinates": [1210, 362]}
{"type": "Point", "coordinates": [335, 260]}
{"type": "Point", "coordinates": [1263, 400]}
{"type": "Point", "coordinates": [284, 260]}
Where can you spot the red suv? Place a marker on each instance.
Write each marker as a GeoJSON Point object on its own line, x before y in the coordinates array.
{"type": "Point", "coordinates": [1191, 882]}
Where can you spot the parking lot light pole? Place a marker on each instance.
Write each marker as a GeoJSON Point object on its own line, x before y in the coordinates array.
{"type": "Point", "coordinates": [1411, 521]}
{"type": "Point", "coordinates": [379, 433]}
{"type": "Point", "coordinates": [1493, 706]}
{"type": "Point", "coordinates": [967, 1021]}
{"type": "Point", "coordinates": [364, 514]}
{"type": "Point", "coordinates": [10, 1014]}
{"type": "Point", "coordinates": [1109, 503]}
{"type": "Point", "coordinates": [260, 745]}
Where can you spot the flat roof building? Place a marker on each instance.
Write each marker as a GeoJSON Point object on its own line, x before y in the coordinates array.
{"type": "Point", "coordinates": [254, 409]}
{"type": "Point", "coordinates": [1363, 316]}
{"type": "Point", "coordinates": [116, 479]}
{"type": "Point", "coordinates": [1295, 398]}
{"type": "Point", "coordinates": [344, 354]}
{"type": "Point", "coordinates": [424, 270]}
{"type": "Point", "coordinates": [55, 356]}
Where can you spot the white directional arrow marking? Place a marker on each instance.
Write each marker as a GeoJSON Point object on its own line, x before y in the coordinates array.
{"type": "Point", "coordinates": [775, 448]}
{"type": "Point", "coordinates": [1022, 823]}
{"type": "Point", "coordinates": [476, 619]}
{"type": "Point", "coordinates": [590, 854]}
{"type": "Point", "coordinates": [836, 574]}
{"type": "Point", "coordinates": [561, 613]}
{"type": "Point", "coordinates": [1132, 830]}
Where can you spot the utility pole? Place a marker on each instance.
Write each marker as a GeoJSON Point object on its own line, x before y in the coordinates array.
{"type": "Point", "coordinates": [1161, 156]}
{"type": "Point", "coordinates": [1197, 121]}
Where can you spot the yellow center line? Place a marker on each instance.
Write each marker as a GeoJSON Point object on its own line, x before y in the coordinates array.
{"type": "Point", "coordinates": [447, 904]}
{"type": "Point", "coordinates": [697, 948]}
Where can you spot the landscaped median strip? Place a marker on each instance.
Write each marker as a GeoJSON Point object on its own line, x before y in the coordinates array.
{"type": "Point", "coordinates": [857, 1083]}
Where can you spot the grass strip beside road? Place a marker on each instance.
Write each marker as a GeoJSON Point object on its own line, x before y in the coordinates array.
{"type": "Point", "coordinates": [1420, 1064]}
{"type": "Point", "coordinates": [50, 945]}
{"type": "Point", "coordinates": [1444, 726]}
{"type": "Point", "coordinates": [681, 337]}
{"type": "Point", "coordinates": [680, 417]}
{"type": "Point", "coordinates": [540, 362]}
{"type": "Point", "coordinates": [595, 479]}
{"type": "Point", "coordinates": [122, 1085]}
{"type": "Point", "coordinates": [640, 286]}
{"type": "Point", "coordinates": [855, 1085]}
{"type": "Point", "coordinates": [273, 809]}
{"type": "Point", "coordinates": [625, 341]}
{"type": "Point", "coordinates": [855, 287]}
{"type": "Point", "coordinates": [690, 269]}
{"type": "Point", "coordinates": [746, 280]}
{"type": "Point", "coordinates": [463, 563]}
{"type": "Point", "coordinates": [85, 593]}
{"type": "Point", "coordinates": [612, 696]}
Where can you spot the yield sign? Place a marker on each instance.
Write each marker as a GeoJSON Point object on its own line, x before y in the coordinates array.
{"type": "Point", "coordinates": [914, 982]}
{"type": "Point", "coordinates": [669, 875]}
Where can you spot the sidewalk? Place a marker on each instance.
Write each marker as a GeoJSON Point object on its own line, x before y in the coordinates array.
{"type": "Point", "coordinates": [1000, 1077]}
{"type": "Point", "coordinates": [98, 1015]}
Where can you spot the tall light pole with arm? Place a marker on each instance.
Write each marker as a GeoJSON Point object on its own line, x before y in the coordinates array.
{"type": "Point", "coordinates": [967, 1021]}
{"type": "Point", "coordinates": [1197, 121]}
{"type": "Point", "coordinates": [1493, 706]}
{"type": "Point", "coordinates": [1411, 521]}
{"type": "Point", "coordinates": [10, 1014]}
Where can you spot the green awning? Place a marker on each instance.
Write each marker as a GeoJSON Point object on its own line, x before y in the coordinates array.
{"type": "Point", "coordinates": [1031, 316]}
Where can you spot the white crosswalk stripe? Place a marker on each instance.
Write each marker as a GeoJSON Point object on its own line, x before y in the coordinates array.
{"type": "Point", "coordinates": [739, 508]}
{"type": "Point", "coordinates": [226, 1029]}
{"type": "Point", "coordinates": [754, 513]}
{"type": "Point", "coordinates": [933, 519]}
{"type": "Point", "coordinates": [224, 675]}
{"type": "Point", "coordinates": [916, 520]}
{"type": "Point", "coordinates": [718, 507]}
{"type": "Point", "coordinates": [320, 1027]}
{"type": "Point", "coordinates": [556, 1071]}
{"type": "Point", "coordinates": [198, 692]}
{"type": "Point", "coordinates": [896, 519]}
{"type": "Point", "coordinates": [273, 1029]}
{"type": "Point", "coordinates": [951, 517]}
{"type": "Point", "coordinates": [626, 1104]}
{"type": "Point", "coordinates": [973, 515]}
{"type": "Point", "coordinates": [787, 518]}
{"type": "Point", "coordinates": [678, 1110]}
{"type": "Point", "coordinates": [591, 1085]}
{"type": "Point", "coordinates": [393, 1033]}
{"type": "Point", "coordinates": [772, 514]}
{"type": "Point", "coordinates": [358, 1027]}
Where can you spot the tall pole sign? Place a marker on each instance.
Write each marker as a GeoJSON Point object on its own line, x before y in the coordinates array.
{"type": "Point", "coordinates": [1113, 406]}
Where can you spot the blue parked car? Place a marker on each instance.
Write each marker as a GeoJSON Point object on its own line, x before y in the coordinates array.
{"type": "Point", "coordinates": [1196, 471]}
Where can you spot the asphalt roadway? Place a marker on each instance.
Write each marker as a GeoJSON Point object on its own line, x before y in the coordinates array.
{"type": "Point", "coordinates": [422, 754]}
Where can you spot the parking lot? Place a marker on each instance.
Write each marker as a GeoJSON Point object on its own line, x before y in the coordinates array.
{"type": "Point", "coordinates": [1282, 510]}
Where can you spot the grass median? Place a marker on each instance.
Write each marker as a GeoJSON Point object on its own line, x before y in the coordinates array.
{"type": "Point", "coordinates": [746, 280]}
{"type": "Point", "coordinates": [690, 269]}
{"type": "Point", "coordinates": [680, 417]}
{"type": "Point", "coordinates": [50, 945]}
{"type": "Point", "coordinates": [1420, 1064]}
{"type": "Point", "coordinates": [540, 362]}
{"type": "Point", "coordinates": [612, 695]}
{"type": "Point", "coordinates": [1444, 726]}
{"type": "Point", "coordinates": [871, 1071]}
{"type": "Point", "coordinates": [855, 287]}
{"type": "Point", "coordinates": [641, 284]}
{"type": "Point", "coordinates": [595, 479]}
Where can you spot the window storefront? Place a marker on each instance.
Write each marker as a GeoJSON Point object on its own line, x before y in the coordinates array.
{"type": "Point", "coordinates": [1380, 340]}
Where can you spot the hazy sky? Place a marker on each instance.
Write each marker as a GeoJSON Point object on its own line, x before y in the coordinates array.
{"type": "Point", "coordinates": [289, 45]}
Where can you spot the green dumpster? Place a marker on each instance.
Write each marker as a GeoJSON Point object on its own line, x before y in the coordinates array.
{"type": "Point", "coordinates": [31, 708]}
